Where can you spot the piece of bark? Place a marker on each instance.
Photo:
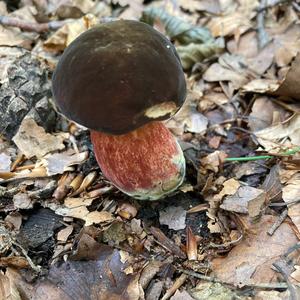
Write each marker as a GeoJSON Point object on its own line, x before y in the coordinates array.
{"type": "Point", "coordinates": [26, 92]}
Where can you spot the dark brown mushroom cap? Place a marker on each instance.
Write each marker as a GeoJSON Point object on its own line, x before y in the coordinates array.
{"type": "Point", "coordinates": [119, 76]}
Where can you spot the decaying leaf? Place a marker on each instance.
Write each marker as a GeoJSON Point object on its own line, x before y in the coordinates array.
{"type": "Point", "coordinates": [290, 87]}
{"type": "Point", "coordinates": [279, 136]}
{"type": "Point", "coordinates": [291, 194]}
{"type": "Point", "coordinates": [264, 113]}
{"type": "Point", "coordinates": [214, 160]}
{"type": "Point", "coordinates": [79, 280]}
{"type": "Point", "coordinates": [65, 35]}
{"type": "Point", "coordinates": [287, 87]}
{"type": "Point", "coordinates": [247, 199]}
{"type": "Point", "coordinates": [249, 262]}
{"type": "Point", "coordinates": [236, 20]}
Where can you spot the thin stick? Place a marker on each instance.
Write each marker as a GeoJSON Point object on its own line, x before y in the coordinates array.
{"type": "Point", "coordinates": [31, 26]}
{"type": "Point", "coordinates": [278, 222]}
{"type": "Point", "coordinates": [177, 284]}
{"type": "Point", "coordinates": [265, 286]}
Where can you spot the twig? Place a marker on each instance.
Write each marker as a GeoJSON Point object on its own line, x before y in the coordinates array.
{"type": "Point", "coordinates": [296, 247]}
{"type": "Point", "coordinates": [262, 35]}
{"type": "Point", "coordinates": [276, 204]}
{"type": "Point", "coordinates": [265, 286]}
{"type": "Point", "coordinates": [227, 244]}
{"type": "Point", "coordinates": [274, 3]}
{"type": "Point", "coordinates": [31, 26]}
{"type": "Point", "coordinates": [290, 286]}
{"type": "Point", "coordinates": [167, 243]}
{"type": "Point", "coordinates": [177, 284]}
{"type": "Point", "coordinates": [24, 252]}
{"type": "Point", "coordinates": [278, 222]}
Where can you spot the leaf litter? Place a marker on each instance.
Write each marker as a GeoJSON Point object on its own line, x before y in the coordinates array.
{"type": "Point", "coordinates": [232, 229]}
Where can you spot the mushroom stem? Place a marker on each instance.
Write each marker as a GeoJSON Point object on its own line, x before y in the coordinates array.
{"type": "Point", "coordinates": [146, 163]}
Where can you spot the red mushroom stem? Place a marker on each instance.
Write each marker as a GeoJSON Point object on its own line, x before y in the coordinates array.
{"type": "Point", "coordinates": [146, 163]}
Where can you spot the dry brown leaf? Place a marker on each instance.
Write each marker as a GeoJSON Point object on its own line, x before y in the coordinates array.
{"type": "Point", "coordinates": [290, 85]}
{"type": "Point", "coordinates": [247, 199]}
{"type": "Point", "coordinates": [250, 261]}
{"type": "Point", "coordinates": [263, 113]}
{"type": "Point", "coordinates": [290, 193]}
{"type": "Point", "coordinates": [246, 45]}
{"type": "Point", "coordinates": [64, 234]}
{"type": "Point", "coordinates": [229, 188]}
{"type": "Point", "coordinates": [17, 262]}
{"type": "Point", "coordinates": [71, 8]}
{"type": "Point", "coordinates": [211, 100]}
{"type": "Point", "coordinates": [287, 87]}
{"type": "Point", "coordinates": [97, 217]}
{"type": "Point", "coordinates": [213, 161]}
{"type": "Point", "coordinates": [296, 273]}
{"type": "Point", "coordinates": [235, 21]}
{"type": "Point", "coordinates": [287, 45]}
{"type": "Point", "coordinates": [32, 140]}
{"type": "Point", "coordinates": [216, 72]}
{"type": "Point", "coordinates": [188, 118]}
{"type": "Point", "coordinates": [7, 289]}
{"type": "Point", "coordinates": [271, 137]}
{"type": "Point", "coordinates": [261, 86]}
{"type": "Point", "coordinates": [65, 35]}
{"type": "Point", "coordinates": [78, 279]}
{"type": "Point", "coordinates": [13, 36]}
{"type": "Point", "coordinates": [14, 218]}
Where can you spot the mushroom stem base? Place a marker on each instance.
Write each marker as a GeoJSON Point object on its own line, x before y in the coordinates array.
{"type": "Point", "coordinates": [146, 163]}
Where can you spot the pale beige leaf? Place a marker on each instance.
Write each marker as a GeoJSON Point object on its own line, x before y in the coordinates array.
{"type": "Point", "coordinates": [58, 163]}
{"type": "Point", "coordinates": [32, 140]}
{"type": "Point", "coordinates": [63, 234]}
{"type": "Point", "coordinates": [97, 217]}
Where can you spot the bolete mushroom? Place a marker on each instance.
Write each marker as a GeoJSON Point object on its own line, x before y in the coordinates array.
{"type": "Point", "coordinates": [120, 79]}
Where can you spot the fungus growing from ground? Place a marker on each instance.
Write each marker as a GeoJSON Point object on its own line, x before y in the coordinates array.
{"type": "Point", "coordinates": [120, 79]}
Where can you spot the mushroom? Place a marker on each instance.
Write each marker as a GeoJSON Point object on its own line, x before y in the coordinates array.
{"type": "Point", "coordinates": [121, 79]}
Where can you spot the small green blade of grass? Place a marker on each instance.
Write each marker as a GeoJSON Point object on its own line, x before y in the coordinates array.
{"type": "Point", "coordinates": [258, 157]}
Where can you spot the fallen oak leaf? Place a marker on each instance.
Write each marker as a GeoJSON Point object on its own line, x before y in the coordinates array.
{"type": "Point", "coordinates": [250, 261]}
